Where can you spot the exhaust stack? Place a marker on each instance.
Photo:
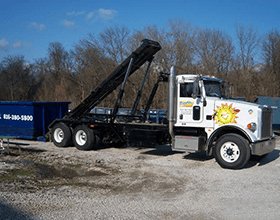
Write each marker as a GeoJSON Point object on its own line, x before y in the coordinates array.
{"type": "Point", "coordinates": [171, 100]}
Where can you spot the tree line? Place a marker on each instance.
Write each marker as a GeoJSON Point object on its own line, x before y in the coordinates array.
{"type": "Point", "coordinates": [250, 63]}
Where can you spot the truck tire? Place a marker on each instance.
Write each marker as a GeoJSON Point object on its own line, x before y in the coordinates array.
{"type": "Point", "coordinates": [61, 135]}
{"type": "Point", "coordinates": [84, 138]}
{"type": "Point", "coordinates": [232, 151]}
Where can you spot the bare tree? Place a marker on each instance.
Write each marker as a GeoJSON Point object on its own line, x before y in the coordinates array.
{"type": "Point", "coordinates": [114, 42]}
{"type": "Point", "coordinates": [91, 66]}
{"type": "Point", "coordinates": [16, 79]}
{"type": "Point", "coordinates": [56, 75]}
{"type": "Point", "coordinates": [244, 67]}
{"type": "Point", "coordinates": [271, 48]}
{"type": "Point", "coordinates": [214, 51]}
{"type": "Point", "coordinates": [271, 54]}
{"type": "Point", "coordinates": [247, 45]}
{"type": "Point", "coordinates": [72, 75]}
{"type": "Point", "coordinates": [58, 58]}
{"type": "Point", "coordinates": [180, 45]}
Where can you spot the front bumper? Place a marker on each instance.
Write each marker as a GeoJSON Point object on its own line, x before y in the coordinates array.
{"type": "Point", "coordinates": [263, 147]}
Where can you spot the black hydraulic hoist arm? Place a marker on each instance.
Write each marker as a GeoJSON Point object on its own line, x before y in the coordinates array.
{"type": "Point", "coordinates": [140, 56]}
{"type": "Point", "coordinates": [163, 77]}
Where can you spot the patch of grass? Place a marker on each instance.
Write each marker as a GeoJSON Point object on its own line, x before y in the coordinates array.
{"type": "Point", "coordinates": [16, 174]}
{"type": "Point", "coordinates": [31, 175]}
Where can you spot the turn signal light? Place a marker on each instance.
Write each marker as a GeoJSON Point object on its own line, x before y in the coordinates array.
{"type": "Point", "coordinates": [252, 126]}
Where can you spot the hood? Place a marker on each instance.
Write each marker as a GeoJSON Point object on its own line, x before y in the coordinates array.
{"type": "Point", "coordinates": [239, 113]}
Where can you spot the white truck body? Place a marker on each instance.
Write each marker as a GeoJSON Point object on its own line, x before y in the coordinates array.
{"type": "Point", "coordinates": [199, 116]}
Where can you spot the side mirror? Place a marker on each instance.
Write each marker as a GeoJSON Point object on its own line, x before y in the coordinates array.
{"type": "Point", "coordinates": [195, 92]}
{"type": "Point", "coordinates": [198, 92]}
{"type": "Point", "coordinates": [204, 102]}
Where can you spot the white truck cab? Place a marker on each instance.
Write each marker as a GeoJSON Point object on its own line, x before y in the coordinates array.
{"type": "Point", "coordinates": [202, 119]}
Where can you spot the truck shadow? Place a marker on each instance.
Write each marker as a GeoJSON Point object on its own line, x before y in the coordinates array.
{"type": "Point", "coordinates": [165, 150]}
{"type": "Point", "coordinates": [263, 160]}
{"type": "Point", "coordinates": [17, 149]}
{"type": "Point", "coordinates": [16, 143]}
{"type": "Point", "coordinates": [198, 156]}
{"type": "Point", "coordinates": [161, 150]}
{"type": "Point", "coordinates": [7, 211]}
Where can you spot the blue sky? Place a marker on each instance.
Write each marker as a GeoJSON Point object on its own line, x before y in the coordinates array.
{"type": "Point", "coordinates": [28, 26]}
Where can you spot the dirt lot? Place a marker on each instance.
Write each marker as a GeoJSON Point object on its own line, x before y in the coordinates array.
{"type": "Point", "coordinates": [40, 181]}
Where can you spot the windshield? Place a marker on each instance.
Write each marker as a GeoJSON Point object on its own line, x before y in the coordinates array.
{"type": "Point", "coordinates": [213, 88]}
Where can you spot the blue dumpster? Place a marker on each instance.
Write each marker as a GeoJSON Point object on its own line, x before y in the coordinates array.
{"type": "Point", "coordinates": [29, 120]}
{"type": "Point", "coordinates": [157, 115]}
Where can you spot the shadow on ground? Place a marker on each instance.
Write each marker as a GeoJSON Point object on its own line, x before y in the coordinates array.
{"type": "Point", "coordinates": [16, 143]}
{"type": "Point", "coordinates": [161, 150]}
{"type": "Point", "coordinates": [165, 150]}
{"type": "Point", "coordinates": [17, 150]}
{"type": "Point", "coordinates": [263, 160]}
{"type": "Point", "coordinates": [199, 156]}
{"type": "Point", "coordinates": [7, 212]}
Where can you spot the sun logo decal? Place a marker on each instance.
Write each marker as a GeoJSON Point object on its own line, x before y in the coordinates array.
{"type": "Point", "coordinates": [225, 114]}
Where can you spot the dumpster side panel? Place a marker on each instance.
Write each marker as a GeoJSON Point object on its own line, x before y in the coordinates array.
{"type": "Point", "coordinates": [29, 120]}
{"type": "Point", "coordinates": [16, 119]}
{"type": "Point", "coordinates": [52, 111]}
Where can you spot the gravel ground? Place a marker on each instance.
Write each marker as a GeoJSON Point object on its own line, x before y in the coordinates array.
{"type": "Point", "coordinates": [41, 181]}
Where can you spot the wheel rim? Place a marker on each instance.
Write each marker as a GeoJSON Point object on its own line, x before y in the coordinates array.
{"type": "Point", "coordinates": [58, 135]}
{"type": "Point", "coordinates": [81, 137]}
{"type": "Point", "coordinates": [230, 152]}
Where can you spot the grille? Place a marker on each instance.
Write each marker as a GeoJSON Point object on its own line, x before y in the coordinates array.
{"type": "Point", "coordinates": [266, 129]}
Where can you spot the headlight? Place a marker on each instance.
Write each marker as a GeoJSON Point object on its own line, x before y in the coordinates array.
{"type": "Point", "coordinates": [252, 126]}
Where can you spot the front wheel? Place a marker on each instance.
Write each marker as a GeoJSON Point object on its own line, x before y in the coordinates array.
{"type": "Point", "coordinates": [232, 151]}
{"type": "Point", "coordinates": [84, 138]}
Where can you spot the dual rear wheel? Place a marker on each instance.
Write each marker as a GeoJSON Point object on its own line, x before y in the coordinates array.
{"type": "Point", "coordinates": [82, 136]}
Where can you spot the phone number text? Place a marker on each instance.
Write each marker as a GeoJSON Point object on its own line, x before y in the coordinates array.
{"type": "Point", "coordinates": [18, 117]}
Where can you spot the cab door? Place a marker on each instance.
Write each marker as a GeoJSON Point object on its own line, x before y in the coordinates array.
{"type": "Point", "coordinates": [189, 108]}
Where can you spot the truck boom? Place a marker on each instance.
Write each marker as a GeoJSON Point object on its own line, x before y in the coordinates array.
{"type": "Point", "coordinates": [141, 55]}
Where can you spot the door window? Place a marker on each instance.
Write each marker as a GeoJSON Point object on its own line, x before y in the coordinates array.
{"type": "Point", "coordinates": [186, 89]}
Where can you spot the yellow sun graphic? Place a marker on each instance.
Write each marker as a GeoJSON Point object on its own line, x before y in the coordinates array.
{"type": "Point", "coordinates": [226, 114]}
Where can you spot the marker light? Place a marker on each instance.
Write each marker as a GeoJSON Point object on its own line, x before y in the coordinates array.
{"type": "Point", "coordinates": [252, 126]}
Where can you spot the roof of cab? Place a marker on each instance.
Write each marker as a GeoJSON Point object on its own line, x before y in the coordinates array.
{"type": "Point", "coordinates": [194, 76]}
